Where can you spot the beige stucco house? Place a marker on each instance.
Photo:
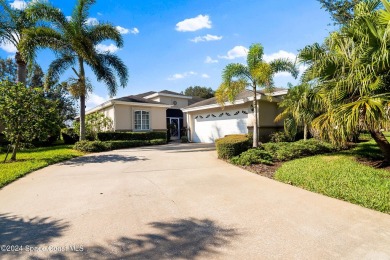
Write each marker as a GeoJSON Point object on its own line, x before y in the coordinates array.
{"type": "Point", "coordinates": [150, 111]}
{"type": "Point", "coordinates": [208, 120]}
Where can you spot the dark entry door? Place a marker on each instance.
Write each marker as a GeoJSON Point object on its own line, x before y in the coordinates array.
{"type": "Point", "coordinates": [175, 128]}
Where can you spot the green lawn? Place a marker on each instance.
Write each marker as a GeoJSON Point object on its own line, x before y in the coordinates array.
{"type": "Point", "coordinates": [32, 159]}
{"type": "Point", "coordinates": [341, 176]}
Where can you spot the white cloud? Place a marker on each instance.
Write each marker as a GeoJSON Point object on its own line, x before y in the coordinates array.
{"type": "Point", "coordinates": [92, 21]}
{"type": "Point", "coordinates": [8, 47]}
{"type": "Point", "coordinates": [18, 4]}
{"type": "Point", "coordinates": [104, 48]}
{"type": "Point", "coordinates": [134, 30]}
{"type": "Point", "coordinates": [122, 30]}
{"type": "Point", "coordinates": [210, 60]}
{"type": "Point", "coordinates": [99, 14]}
{"type": "Point", "coordinates": [280, 55]}
{"type": "Point", "coordinates": [95, 100]}
{"type": "Point", "coordinates": [181, 75]}
{"type": "Point", "coordinates": [205, 76]}
{"type": "Point", "coordinates": [236, 52]}
{"type": "Point", "coordinates": [206, 38]}
{"type": "Point", "coordinates": [68, 18]}
{"type": "Point", "coordinates": [194, 24]}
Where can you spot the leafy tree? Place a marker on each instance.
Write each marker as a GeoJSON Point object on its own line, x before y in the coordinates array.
{"type": "Point", "coordinates": [7, 70]}
{"type": "Point", "coordinates": [95, 123]}
{"type": "Point", "coordinates": [198, 91]}
{"type": "Point", "coordinates": [74, 42]}
{"type": "Point", "coordinates": [351, 70]}
{"type": "Point", "coordinates": [26, 114]}
{"type": "Point", "coordinates": [341, 11]}
{"type": "Point", "coordinates": [12, 23]}
{"type": "Point", "coordinates": [298, 109]}
{"type": "Point", "coordinates": [257, 73]}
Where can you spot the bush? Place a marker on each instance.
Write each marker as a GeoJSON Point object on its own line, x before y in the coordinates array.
{"type": "Point", "coordinates": [147, 136]}
{"type": "Point", "coordinates": [69, 135]}
{"type": "Point", "coordinates": [99, 146]}
{"type": "Point", "coordinates": [278, 137]}
{"type": "Point", "coordinates": [184, 139]}
{"type": "Point", "coordinates": [253, 156]}
{"type": "Point", "coordinates": [287, 151]}
{"type": "Point", "coordinates": [232, 145]}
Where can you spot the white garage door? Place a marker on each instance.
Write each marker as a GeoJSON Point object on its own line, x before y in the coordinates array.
{"type": "Point", "coordinates": [209, 127]}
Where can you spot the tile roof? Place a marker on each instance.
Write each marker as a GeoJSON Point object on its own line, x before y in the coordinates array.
{"type": "Point", "coordinates": [137, 99]}
{"type": "Point", "coordinates": [212, 101]}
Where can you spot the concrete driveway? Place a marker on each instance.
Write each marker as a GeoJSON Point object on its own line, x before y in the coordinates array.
{"type": "Point", "coordinates": [178, 202]}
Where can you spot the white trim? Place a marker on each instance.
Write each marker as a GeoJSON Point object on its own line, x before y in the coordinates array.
{"type": "Point", "coordinates": [166, 95]}
{"type": "Point", "coordinates": [237, 102]}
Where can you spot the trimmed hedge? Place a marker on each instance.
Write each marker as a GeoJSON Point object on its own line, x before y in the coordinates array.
{"type": "Point", "coordinates": [285, 151]}
{"type": "Point", "coordinates": [232, 145]}
{"type": "Point", "coordinates": [69, 136]}
{"type": "Point", "coordinates": [126, 136]}
{"type": "Point", "coordinates": [253, 156]}
{"type": "Point", "coordinates": [99, 146]}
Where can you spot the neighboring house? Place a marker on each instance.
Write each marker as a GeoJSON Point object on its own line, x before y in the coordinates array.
{"type": "Point", "coordinates": [208, 121]}
{"type": "Point", "coordinates": [150, 111]}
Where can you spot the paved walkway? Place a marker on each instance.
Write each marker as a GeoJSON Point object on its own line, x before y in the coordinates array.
{"type": "Point", "coordinates": [178, 201]}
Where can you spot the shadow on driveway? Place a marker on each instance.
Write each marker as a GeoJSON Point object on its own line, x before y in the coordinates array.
{"type": "Point", "coordinates": [181, 147]}
{"type": "Point", "coordinates": [184, 239]}
{"type": "Point", "coordinates": [102, 158]}
{"type": "Point", "coordinates": [15, 230]}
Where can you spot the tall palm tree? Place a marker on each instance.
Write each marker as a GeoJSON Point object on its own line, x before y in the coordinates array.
{"type": "Point", "coordinates": [74, 42]}
{"type": "Point", "coordinates": [352, 69]}
{"type": "Point", "coordinates": [256, 74]}
{"type": "Point", "coordinates": [12, 23]}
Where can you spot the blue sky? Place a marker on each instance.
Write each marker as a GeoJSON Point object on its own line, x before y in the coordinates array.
{"type": "Point", "coordinates": [175, 44]}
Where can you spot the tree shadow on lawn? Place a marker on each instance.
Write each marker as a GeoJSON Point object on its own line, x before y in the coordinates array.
{"type": "Point", "coordinates": [36, 231]}
{"type": "Point", "coordinates": [102, 158]}
{"type": "Point", "coordinates": [183, 239]}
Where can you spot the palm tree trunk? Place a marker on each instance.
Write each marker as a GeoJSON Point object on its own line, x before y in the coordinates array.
{"type": "Point", "coordinates": [304, 131]}
{"type": "Point", "coordinates": [382, 142]}
{"type": "Point", "coordinates": [255, 127]}
{"type": "Point", "coordinates": [82, 99]}
{"type": "Point", "coordinates": [21, 68]}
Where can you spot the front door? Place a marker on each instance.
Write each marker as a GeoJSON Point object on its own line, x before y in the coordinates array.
{"type": "Point", "coordinates": [175, 128]}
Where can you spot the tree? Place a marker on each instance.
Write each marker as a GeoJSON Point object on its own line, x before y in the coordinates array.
{"type": "Point", "coordinates": [7, 70]}
{"type": "Point", "coordinates": [95, 123]}
{"type": "Point", "coordinates": [341, 11]}
{"type": "Point", "coordinates": [74, 42]}
{"type": "Point", "coordinates": [34, 73]}
{"type": "Point", "coordinates": [12, 23]}
{"type": "Point", "coordinates": [198, 91]}
{"type": "Point", "coordinates": [26, 114]}
{"type": "Point", "coordinates": [257, 73]}
{"type": "Point", "coordinates": [298, 109]}
{"type": "Point", "coordinates": [351, 69]}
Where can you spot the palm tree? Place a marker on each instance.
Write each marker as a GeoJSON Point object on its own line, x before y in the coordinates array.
{"type": "Point", "coordinates": [257, 73]}
{"type": "Point", "coordinates": [12, 23]}
{"type": "Point", "coordinates": [74, 42]}
{"type": "Point", "coordinates": [351, 68]}
{"type": "Point", "coordinates": [298, 109]}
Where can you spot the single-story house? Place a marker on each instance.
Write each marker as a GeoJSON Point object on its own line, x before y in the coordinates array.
{"type": "Point", "coordinates": [150, 111]}
{"type": "Point", "coordinates": [208, 120]}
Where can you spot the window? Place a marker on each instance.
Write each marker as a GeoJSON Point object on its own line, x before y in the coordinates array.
{"type": "Point", "coordinates": [141, 120]}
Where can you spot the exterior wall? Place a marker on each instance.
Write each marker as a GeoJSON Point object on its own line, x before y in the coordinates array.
{"type": "Point", "coordinates": [181, 102]}
{"type": "Point", "coordinates": [124, 117]}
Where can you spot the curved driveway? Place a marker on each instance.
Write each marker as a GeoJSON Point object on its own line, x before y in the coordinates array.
{"type": "Point", "coordinates": [178, 202]}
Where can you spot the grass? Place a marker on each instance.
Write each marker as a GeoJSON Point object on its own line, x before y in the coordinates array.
{"type": "Point", "coordinates": [30, 160]}
{"type": "Point", "coordinates": [341, 176]}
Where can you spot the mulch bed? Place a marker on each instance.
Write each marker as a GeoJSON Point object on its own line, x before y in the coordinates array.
{"type": "Point", "coordinates": [263, 170]}
{"type": "Point", "coordinates": [377, 164]}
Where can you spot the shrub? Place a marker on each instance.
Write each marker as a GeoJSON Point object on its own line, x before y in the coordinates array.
{"type": "Point", "coordinates": [158, 141]}
{"type": "Point", "coordinates": [184, 139]}
{"type": "Point", "coordinates": [287, 151]}
{"type": "Point", "coordinates": [69, 136]}
{"type": "Point", "coordinates": [110, 136]}
{"type": "Point", "coordinates": [232, 145]}
{"type": "Point", "coordinates": [278, 137]}
{"type": "Point", "coordinates": [99, 146]}
{"type": "Point", "coordinates": [91, 146]}
{"type": "Point", "coordinates": [253, 156]}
